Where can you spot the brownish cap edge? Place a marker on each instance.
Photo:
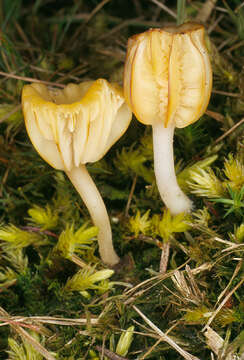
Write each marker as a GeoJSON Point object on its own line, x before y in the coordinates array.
{"type": "Point", "coordinates": [182, 29]}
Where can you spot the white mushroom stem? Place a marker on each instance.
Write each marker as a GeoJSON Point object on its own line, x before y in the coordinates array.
{"type": "Point", "coordinates": [89, 193]}
{"type": "Point", "coordinates": [164, 169]}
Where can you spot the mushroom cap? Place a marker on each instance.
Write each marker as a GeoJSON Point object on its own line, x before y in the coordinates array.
{"type": "Point", "coordinates": [168, 75]}
{"type": "Point", "coordinates": [77, 124]}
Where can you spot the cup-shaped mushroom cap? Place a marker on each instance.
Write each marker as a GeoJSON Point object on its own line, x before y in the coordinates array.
{"type": "Point", "coordinates": [168, 75]}
{"type": "Point", "coordinates": [75, 125]}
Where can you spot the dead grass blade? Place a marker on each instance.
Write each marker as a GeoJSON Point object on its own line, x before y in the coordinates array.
{"type": "Point", "coordinates": [228, 296]}
{"type": "Point", "coordinates": [165, 337]}
{"type": "Point", "coordinates": [28, 79]}
{"type": "Point", "coordinates": [27, 337]}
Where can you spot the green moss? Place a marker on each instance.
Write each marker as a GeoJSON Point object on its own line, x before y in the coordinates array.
{"type": "Point", "coordinates": [47, 241]}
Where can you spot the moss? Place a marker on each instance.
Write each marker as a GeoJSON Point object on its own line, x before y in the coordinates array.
{"type": "Point", "coordinates": [47, 240]}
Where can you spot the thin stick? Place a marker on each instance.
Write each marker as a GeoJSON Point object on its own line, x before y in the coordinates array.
{"type": "Point", "coordinates": [46, 320]}
{"type": "Point", "coordinates": [38, 230]}
{"type": "Point", "coordinates": [118, 27]}
{"type": "Point", "coordinates": [87, 18]}
{"type": "Point", "coordinates": [24, 78]}
{"type": "Point", "coordinates": [151, 349]}
{"type": "Point", "coordinates": [237, 269]}
{"type": "Point", "coordinates": [213, 26]}
{"type": "Point", "coordinates": [230, 131]}
{"type": "Point", "coordinates": [164, 258]}
{"type": "Point", "coordinates": [234, 47]}
{"type": "Point", "coordinates": [79, 262]}
{"type": "Point", "coordinates": [24, 38]}
{"type": "Point", "coordinates": [95, 10]}
{"type": "Point", "coordinates": [28, 338]}
{"type": "Point", "coordinates": [46, 71]}
{"type": "Point", "coordinates": [181, 11]}
{"type": "Point", "coordinates": [130, 195]}
{"type": "Point", "coordinates": [215, 115]}
{"type": "Point", "coordinates": [138, 7]}
{"type": "Point", "coordinates": [165, 337]}
{"type": "Point", "coordinates": [165, 8]}
{"type": "Point", "coordinates": [205, 11]}
{"type": "Point", "coordinates": [159, 278]}
{"type": "Point", "coordinates": [110, 354]}
{"type": "Point", "coordinates": [228, 296]}
{"type": "Point", "coordinates": [225, 93]}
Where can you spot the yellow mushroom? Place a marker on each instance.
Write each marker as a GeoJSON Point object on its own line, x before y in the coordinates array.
{"type": "Point", "coordinates": [167, 84]}
{"type": "Point", "coordinates": [72, 127]}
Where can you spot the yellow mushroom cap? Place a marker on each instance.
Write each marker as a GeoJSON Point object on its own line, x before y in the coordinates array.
{"type": "Point", "coordinates": [77, 124]}
{"type": "Point", "coordinates": [168, 75]}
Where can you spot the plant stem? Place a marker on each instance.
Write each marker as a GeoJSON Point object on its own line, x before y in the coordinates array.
{"type": "Point", "coordinates": [164, 258]}
{"type": "Point", "coordinates": [89, 193]}
{"type": "Point", "coordinates": [181, 11]}
{"type": "Point", "coordinates": [169, 190]}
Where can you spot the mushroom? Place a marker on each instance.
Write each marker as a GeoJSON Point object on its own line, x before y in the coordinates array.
{"type": "Point", "coordinates": [167, 84]}
{"type": "Point", "coordinates": [75, 126]}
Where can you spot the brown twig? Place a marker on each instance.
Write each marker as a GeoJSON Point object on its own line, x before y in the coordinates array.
{"type": "Point", "coordinates": [228, 296]}
{"type": "Point", "coordinates": [28, 338]}
{"type": "Point", "coordinates": [225, 93]}
{"type": "Point", "coordinates": [95, 10]}
{"type": "Point", "coordinates": [164, 258]}
{"type": "Point", "coordinates": [130, 196]}
{"type": "Point", "coordinates": [237, 269]}
{"type": "Point", "coordinates": [24, 321]}
{"type": "Point", "coordinates": [138, 7]}
{"type": "Point", "coordinates": [228, 132]}
{"type": "Point", "coordinates": [79, 262]}
{"type": "Point", "coordinates": [24, 37]}
{"type": "Point", "coordinates": [186, 355]}
{"type": "Point", "coordinates": [165, 8]}
{"type": "Point", "coordinates": [215, 115]}
{"type": "Point", "coordinates": [234, 47]}
{"type": "Point", "coordinates": [110, 354]}
{"type": "Point", "coordinates": [205, 11]}
{"type": "Point", "coordinates": [38, 230]}
{"type": "Point", "coordinates": [28, 79]}
{"type": "Point", "coordinates": [46, 71]}
{"type": "Point", "coordinates": [118, 27]}
{"type": "Point", "coordinates": [86, 20]}
{"type": "Point", "coordinates": [151, 349]}
{"type": "Point", "coordinates": [214, 25]}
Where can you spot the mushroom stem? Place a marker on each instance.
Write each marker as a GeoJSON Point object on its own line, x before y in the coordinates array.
{"type": "Point", "coordinates": [89, 193]}
{"type": "Point", "coordinates": [164, 169]}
